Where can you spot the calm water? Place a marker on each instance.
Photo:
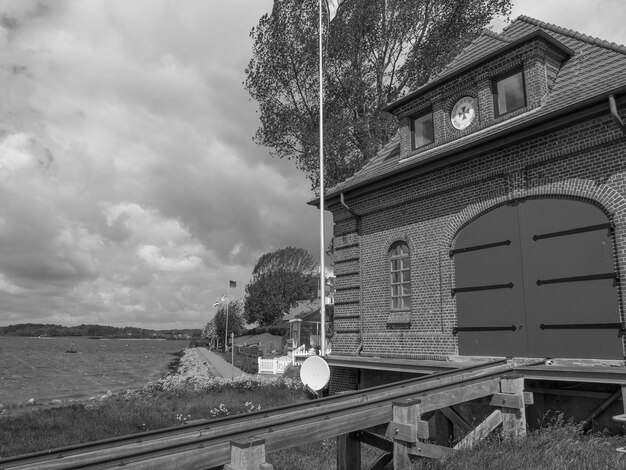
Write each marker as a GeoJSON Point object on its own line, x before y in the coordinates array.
{"type": "Point", "coordinates": [40, 368]}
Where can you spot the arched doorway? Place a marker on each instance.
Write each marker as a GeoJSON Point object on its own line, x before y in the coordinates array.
{"type": "Point", "coordinates": [536, 278]}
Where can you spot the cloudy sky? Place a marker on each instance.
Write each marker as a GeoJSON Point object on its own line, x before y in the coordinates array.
{"type": "Point", "coordinates": [130, 189]}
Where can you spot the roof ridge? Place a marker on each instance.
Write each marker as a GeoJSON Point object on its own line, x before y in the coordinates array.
{"type": "Point", "coordinates": [571, 33]}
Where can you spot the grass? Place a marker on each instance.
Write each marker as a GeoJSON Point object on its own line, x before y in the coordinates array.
{"type": "Point", "coordinates": [160, 405]}
{"type": "Point", "coordinates": [555, 446]}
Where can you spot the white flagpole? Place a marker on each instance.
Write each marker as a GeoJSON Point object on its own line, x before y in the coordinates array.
{"type": "Point", "coordinates": [226, 330]}
{"type": "Point", "coordinates": [322, 267]}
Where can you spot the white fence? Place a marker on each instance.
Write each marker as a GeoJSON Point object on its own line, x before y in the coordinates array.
{"type": "Point", "coordinates": [275, 365]}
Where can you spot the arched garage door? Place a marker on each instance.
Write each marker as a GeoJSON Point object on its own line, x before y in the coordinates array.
{"type": "Point", "coordinates": [537, 279]}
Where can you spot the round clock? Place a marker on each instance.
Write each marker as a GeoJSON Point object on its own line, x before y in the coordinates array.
{"type": "Point", "coordinates": [463, 112]}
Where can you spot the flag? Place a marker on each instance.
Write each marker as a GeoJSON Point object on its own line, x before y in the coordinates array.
{"type": "Point", "coordinates": [333, 6]}
{"type": "Point", "coordinates": [232, 284]}
{"type": "Point", "coordinates": [216, 304]}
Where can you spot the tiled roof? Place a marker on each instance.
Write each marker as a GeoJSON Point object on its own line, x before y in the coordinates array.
{"type": "Point", "coordinates": [596, 69]}
{"type": "Point", "coordinates": [483, 45]}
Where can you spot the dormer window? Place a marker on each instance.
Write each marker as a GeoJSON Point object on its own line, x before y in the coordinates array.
{"type": "Point", "coordinates": [509, 94]}
{"type": "Point", "coordinates": [422, 130]}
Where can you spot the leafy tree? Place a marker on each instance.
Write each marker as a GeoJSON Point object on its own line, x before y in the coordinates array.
{"type": "Point", "coordinates": [377, 51]}
{"type": "Point", "coordinates": [279, 280]}
{"type": "Point", "coordinates": [235, 319]}
{"type": "Point", "coordinates": [209, 329]}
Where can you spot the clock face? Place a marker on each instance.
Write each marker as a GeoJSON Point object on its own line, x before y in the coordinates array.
{"type": "Point", "coordinates": [463, 113]}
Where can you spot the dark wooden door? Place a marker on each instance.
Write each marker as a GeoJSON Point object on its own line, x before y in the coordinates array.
{"type": "Point", "coordinates": [537, 279]}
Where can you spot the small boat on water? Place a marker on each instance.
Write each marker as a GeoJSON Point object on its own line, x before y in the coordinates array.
{"type": "Point", "coordinates": [71, 349]}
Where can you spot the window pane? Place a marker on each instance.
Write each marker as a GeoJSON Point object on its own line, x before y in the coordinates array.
{"type": "Point", "coordinates": [406, 290]}
{"type": "Point", "coordinates": [395, 303]}
{"type": "Point", "coordinates": [406, 302]}
{"type": "Point", "coordinates": [395, 265]}
{"type": "Point", "coordinates": [406, 276]}
{"type": "Point", "coordinates": [423, 130]}
{"type": "Point", "coordinates": [395, 291]}
{"type": "Point", "coordinates": [396, 278]}
{"type": "Point", "coordinates": [510, 92]}
{"type": "Point", "coordinates": [406, 263]}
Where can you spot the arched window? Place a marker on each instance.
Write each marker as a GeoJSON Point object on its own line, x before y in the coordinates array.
{"type": "Point", "coordinates": [400, 268]}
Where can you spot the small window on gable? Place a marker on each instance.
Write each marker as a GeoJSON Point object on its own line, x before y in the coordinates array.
{"type": "Point", "coordinates": [400, 267]}
{"type": "Point", "coordinates": [509, 94]}
{"type": "Point", "coordinates": [422, 130]}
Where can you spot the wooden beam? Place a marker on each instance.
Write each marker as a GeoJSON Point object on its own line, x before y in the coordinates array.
{"type": "Point", "coordinates": [600, 409]}
{"type": "Point", "coordinates": [481, 431]}
{"type": "Point", "coordinates": [507, 400]}
{"type": "Point", "coordinates": [348, 452]}
{"type": "Point", "coordinates": [374, 440]}
{"type": "Point", "coordinates": [566, 392]}
{"type": "Point", "coordinates": [513, 419]}
{"type": "Point", "coordinates": [456, 419]}
{"type": "Point", "coordinates": [453, 396]}
{"type": "Point", "coordinates": [432, 451]}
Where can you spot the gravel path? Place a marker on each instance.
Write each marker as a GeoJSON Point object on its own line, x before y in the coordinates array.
{"type": "Point", "coordinates": [202, 362]}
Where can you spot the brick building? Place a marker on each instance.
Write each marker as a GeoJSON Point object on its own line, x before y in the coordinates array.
{"type": "Point", "coordinates": [494, 222]}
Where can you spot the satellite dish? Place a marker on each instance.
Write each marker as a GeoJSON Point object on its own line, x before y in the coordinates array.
{"type": "Point", "coordinates": [315, 373]}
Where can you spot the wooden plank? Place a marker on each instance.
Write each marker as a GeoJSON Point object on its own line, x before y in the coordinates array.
{"type": "Point", "coordinates": [481, 431]}
{"type": "Point", "coordinates": [348, 452]}
{"type": "Point", "coordinates": [507, 400]}
{"type": "Point", "coordinates": [401, 431]}
{"type": "Point", "coordinates": [456, 419]}
{"type": "Point", "coordinates": [422, 449]}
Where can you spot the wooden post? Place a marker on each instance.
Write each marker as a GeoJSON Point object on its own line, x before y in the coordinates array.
{"type": "Point", "coordinates": [403, 431]}
{"type": "Point", "coordinates": [348, 452]}
{"type": "Point", "coordinates": [514, 412]}
{"type": "Point", "coordinates": [248, 454]}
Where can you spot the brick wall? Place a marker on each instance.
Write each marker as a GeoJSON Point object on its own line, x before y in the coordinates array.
{"type": "Point", "coordinates": [585, 161]}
